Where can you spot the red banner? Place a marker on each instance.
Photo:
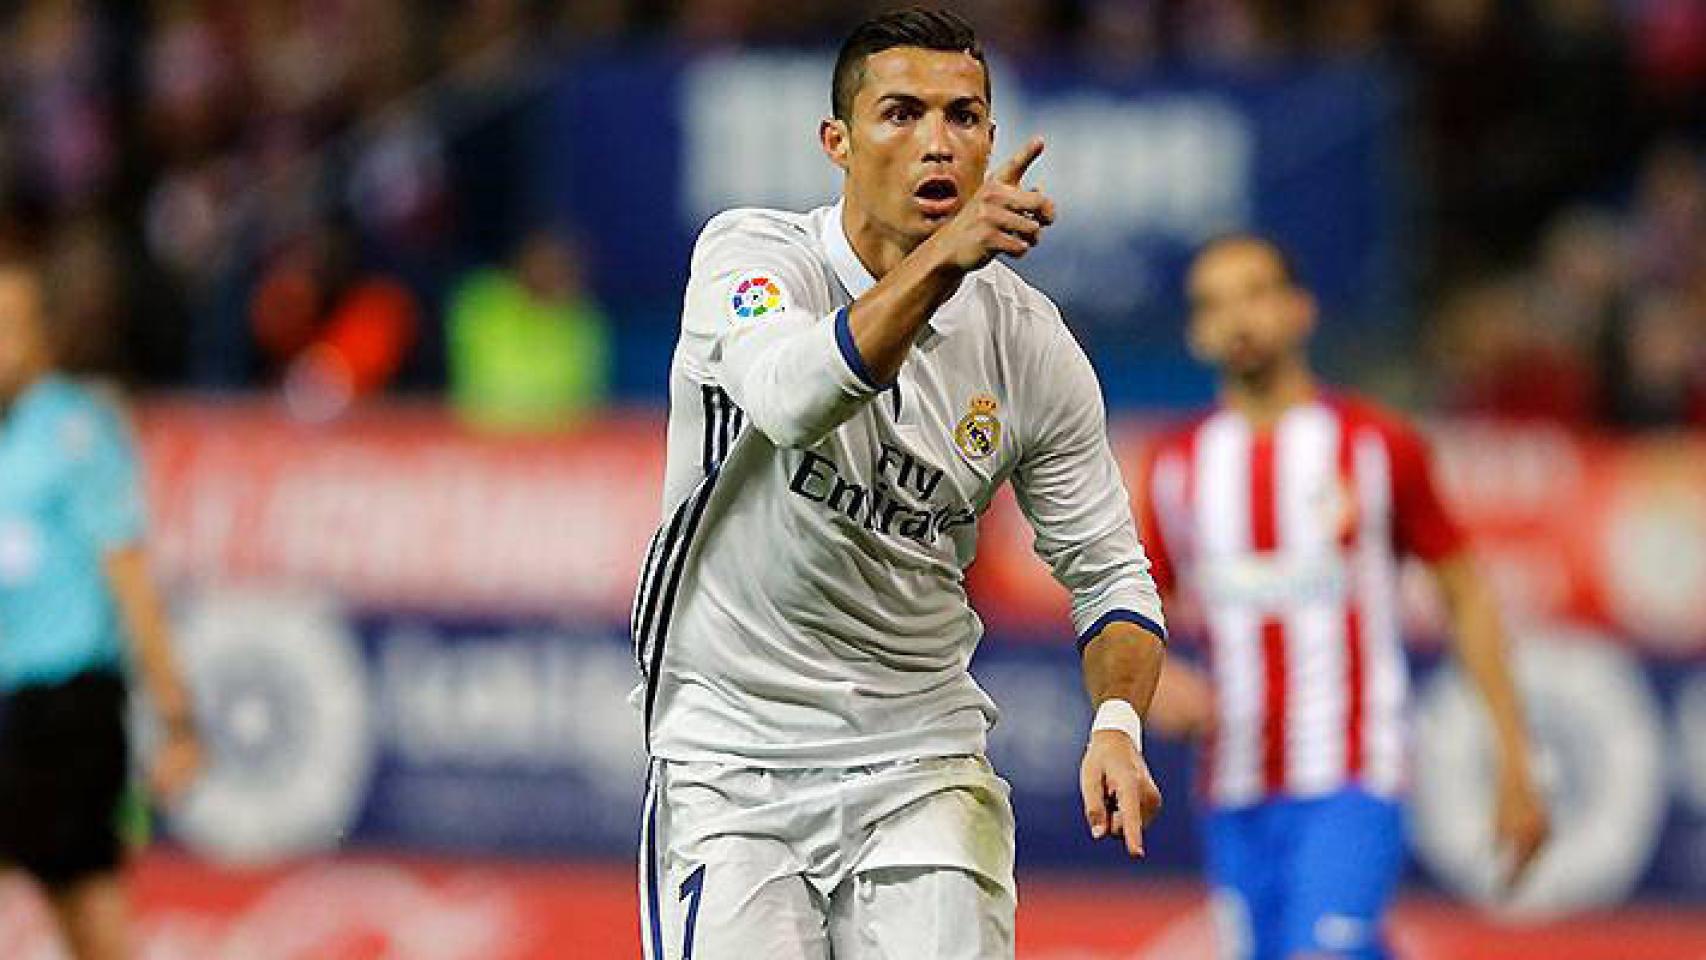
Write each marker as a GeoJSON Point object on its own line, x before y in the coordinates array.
{"type": "Point", "coordinates": [410, 910]}
{"type": "Point", "coordinates": [352, 910]}
{"type": "Point", "coordinates": [403, 508]}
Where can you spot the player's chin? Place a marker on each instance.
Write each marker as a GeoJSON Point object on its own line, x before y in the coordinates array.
{"type": "Point", "coordinates": [1245, 362]}
{"type": "Point", "coordinates": [921, 228]}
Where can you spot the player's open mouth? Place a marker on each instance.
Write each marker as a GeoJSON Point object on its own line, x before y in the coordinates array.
{"type": "Point", "coordinates": [937, 196]}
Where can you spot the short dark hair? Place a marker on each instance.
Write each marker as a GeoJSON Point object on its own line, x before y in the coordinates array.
{"type": "Point", "coordinates": [912, 27]}
{"type": "Point", "coordinates": [1282, 255]}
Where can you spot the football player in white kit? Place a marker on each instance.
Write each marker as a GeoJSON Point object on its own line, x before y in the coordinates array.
{"type": "Point", "coordinates": [851, 387]}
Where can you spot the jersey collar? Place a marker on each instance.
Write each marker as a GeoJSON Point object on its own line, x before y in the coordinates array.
{"type": "Point", "coordinates": [848, 268]}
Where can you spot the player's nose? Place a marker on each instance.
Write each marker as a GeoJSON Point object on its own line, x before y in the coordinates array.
{"type": "Point", "coordinates": [937, 144]}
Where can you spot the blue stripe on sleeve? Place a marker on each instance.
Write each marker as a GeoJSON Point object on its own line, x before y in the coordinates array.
{"type": "Point", "coordinates": [1119, 616]}
{"type": "Point", "coordinates": [850, 352]}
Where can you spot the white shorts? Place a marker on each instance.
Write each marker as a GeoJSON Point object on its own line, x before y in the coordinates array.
{"type": "Point", "coordinates": [912, 859]}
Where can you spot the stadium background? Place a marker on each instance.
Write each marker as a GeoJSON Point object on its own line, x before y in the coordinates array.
{"type": "Point", "coordinates": [291, 229]}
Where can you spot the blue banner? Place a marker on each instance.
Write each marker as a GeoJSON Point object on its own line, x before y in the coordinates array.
{"type": "Point", "coordinates": [515, 737]}
{"type": "Point", "coordinates": [638, 149]}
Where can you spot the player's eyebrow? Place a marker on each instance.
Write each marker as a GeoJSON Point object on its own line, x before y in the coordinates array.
{"type": "Point", "coordinates": [901, 99]}
{"type": "Point", "coordinates": [913, 100]}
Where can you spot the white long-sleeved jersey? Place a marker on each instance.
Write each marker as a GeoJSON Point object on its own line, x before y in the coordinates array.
{"type": "Point", "coordinates": [803, 602]}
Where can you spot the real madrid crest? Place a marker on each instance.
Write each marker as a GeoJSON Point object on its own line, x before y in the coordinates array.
{"type": "Point", "coordinates": [978, 433]}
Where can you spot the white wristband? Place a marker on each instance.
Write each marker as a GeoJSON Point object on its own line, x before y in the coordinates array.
{"type": "Point", "coordinates": [1115, 714]}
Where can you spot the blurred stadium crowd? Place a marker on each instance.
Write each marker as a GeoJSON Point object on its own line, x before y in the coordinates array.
{"type": "Point", "coordinates": [314, 194]}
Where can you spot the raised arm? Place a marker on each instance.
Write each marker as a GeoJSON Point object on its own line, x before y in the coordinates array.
{"type": "Point", "coordinates": [794, 374]}
{"type": "Point", "coordinates": [1001, 217]}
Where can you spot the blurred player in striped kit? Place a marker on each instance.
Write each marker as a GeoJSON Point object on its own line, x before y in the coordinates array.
{"type": "Point", "coordinates": [1286, 510]}
{"type": "Point", "coordinates": [77, 611]}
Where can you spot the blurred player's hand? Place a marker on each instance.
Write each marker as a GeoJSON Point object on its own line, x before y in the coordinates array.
{"type": "Point", "coordinates": [1001, 217]}
{"type": "Point", "coordinates": [1521, 823]}
{"type": "Point", "coordinates": [1184, 703]}
{"type": "Point", "coordinates": [1120, 795]}
{"type": "Point", "coordinates": [177, 763]}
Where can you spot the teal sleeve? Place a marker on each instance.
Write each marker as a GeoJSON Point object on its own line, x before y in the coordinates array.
{"type": "Point", "coordinates": [106, 499]}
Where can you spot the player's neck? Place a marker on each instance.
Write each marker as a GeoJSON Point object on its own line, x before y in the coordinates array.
{"type": "Point", "coordinates": [1263, 398]}
{"type": "Point", "coordinates": [878, 249]}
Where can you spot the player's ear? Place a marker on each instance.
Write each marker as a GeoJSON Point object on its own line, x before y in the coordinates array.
{"type": "Point", "coordinates": [836, 141]}
{"type": "Point", "coordinates": [1197, 341]}
{"type": "Point", "coordinates": [1307, 311]}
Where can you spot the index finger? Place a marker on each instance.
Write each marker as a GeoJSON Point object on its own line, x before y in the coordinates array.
{"type": "Point", "coordinates": [1014, 169]}
{"type": "Point", "coordinates": [1131, 814]}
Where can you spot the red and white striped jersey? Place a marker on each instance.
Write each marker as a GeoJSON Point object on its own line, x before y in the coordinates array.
{"type": "Point", "coordinates": [1291, 538]}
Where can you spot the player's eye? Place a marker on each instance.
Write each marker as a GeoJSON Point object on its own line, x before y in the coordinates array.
{"type": "Point", "coordinates": [901, 113]}
{"type": "Point", "coordinates": [966, 118]}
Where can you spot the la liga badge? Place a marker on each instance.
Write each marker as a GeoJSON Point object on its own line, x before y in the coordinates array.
{"type": "Point", "coordinates": [756, 295]}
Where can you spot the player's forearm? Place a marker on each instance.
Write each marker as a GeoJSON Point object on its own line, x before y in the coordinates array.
{"type": "Point", "coordinates": [146, 626]}
{"type": "Point", "coordinates": [886, 320]}
{"type": "Point", "coordinates": [1481, 649]}
{"type": "Point", "coordinates": [1123, 662]}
